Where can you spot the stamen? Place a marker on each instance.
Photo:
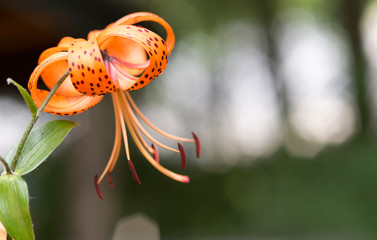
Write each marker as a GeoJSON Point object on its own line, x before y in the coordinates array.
{"type": "Point", "coordinates": [151, 160]}
{"type": "Point", "coordinates": [127, 114]}
{"type": "Point", "coordinates": [183, 156]}
{"type": "Point", "coordinates": [117, 142]}
{"type": "Point", "coordinates": [151, 125]}
{"type": "Point", "coordinates": [110, 178]}
{"type": "Point", "coordinates": [125, 140]}
{"type": "Point", "coordinates": [155, 153]}
{"type": "Point", "coordinates": [197, 144]}
{"type": "Point", "coordinates": [133, 172]}
{"type": "Point", "coordinates": [113, 163]}
{"type": "Point", "coordinates": [136, 122]}
{"type": "Point", "coordinates": [98, 190]}
{"type": "Point", "coordinates": [124, 132]}
{"type": "Point", "coordinates": [134, 127]}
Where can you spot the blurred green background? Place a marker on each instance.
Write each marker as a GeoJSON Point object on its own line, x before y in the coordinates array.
{"type": "Point", "coordinates": [281, 93]}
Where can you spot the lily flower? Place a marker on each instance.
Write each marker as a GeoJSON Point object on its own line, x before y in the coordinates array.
{"type": "Point", "coordinates": [119, 59]}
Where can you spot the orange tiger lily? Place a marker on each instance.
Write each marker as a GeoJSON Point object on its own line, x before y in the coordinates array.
{"type": "Point", "coordinates": [121, 58]}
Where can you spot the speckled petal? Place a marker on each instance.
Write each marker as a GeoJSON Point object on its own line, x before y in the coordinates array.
{"type": "Point", "coordinates": [58, 104]}
{"type": "Point", "coordinates": [52, 72]}
{"type": "Point", "coordinates": [153, 45]}
{"type": "Point", "coordinates": [146, 16]}
{"type": "Point", "coordinates": [87, 69]}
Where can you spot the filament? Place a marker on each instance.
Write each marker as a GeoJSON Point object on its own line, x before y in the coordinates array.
{"type": "Point", "coordinates": [151, 125]}
{"type": "Point", "coordinates": [141, 128]}
{"type": "Point", "coordinates": [116, 148]}
{"type": "Point", "coordinates": [151, 160]}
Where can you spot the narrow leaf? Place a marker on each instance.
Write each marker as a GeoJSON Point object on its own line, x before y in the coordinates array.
{"type": "Point", "coordinates": [14, 207]}
{"type": "Point", "coordinates": [29, 101]}
{"type": "Point", "coordinates": [40, 144]}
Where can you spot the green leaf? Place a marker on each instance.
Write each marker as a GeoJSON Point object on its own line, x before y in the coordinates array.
{"type": "Point", "coordinates": [14, 207]}
{"type": "Point", "coordinates": [40, 144]}
{"type": "Point", "coordinates": [29, 101]}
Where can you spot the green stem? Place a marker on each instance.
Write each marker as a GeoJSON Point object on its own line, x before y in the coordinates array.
{"type": "Point", "coordinates": [34, 120]}
{"type": "Point", "coordinates": [6, 165]}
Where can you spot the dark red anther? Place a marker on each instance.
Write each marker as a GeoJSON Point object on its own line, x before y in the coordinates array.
{"type": "Point", "coordinates": [110, 178]}
{"type": "Point", "coordinates": [183, 156]}
{"type": "Point", "coordinates": [98, 190]}
{"type": "Point", "coordinates": [155, 153]}
{"type": "Point", "coordinates": [133, 172]}
{"type": "Point", "coordinates": [197, 144]}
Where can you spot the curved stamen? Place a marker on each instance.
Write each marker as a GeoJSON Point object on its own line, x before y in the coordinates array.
{"type": "Point", "coordinates": [151, 160]}
{"type": "Point", "coordinates": [138, 112]}
{"type": "Point", "coordinates": [141, 128]}
{"type": "Point", "coordinates": [125, 140]}
{"type": "Point", "coordinates": [197, 144]}
{"type": "Point", "coordinates": [118, 135]}
{"type": "Point", "coordinates": [133, 172]}
{"type": "Point", "coordinates": [183, 156]}
{"type": "Point", "coordinates": [135, 128]}
{"type": "Point", "coordinates": [110, 178]}
{"type": "Point", "coordinates": [137, 131]}
{"type": "Point", "coordinates": [116, 148]}
{"type": "Point", "coordinates": [155, 153]}
{"type": "Point", "coordinates": [124, 133]}
{"type": "Point", "coordinates": [139, 135]}
{"type": "Point", "coordinates": [98, 190]}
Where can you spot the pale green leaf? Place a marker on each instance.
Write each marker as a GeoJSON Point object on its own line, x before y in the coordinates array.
{"type": "Point", "coordinates": [14, 207]}
{"type": "Point", "coordinates": [40, 144]}
{"type": "Point", "coordinates": [29, 101]}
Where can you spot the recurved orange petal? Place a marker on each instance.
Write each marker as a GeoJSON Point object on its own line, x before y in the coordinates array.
{"type": "Point", "coordinates": [54, 71]}
{"type": "Point", "coordinates": [58, 104]}
{"type": "Point", "coordinates": [88, 71]}
{"type": "Point", "coordinates": [93, 34]}
{"type": "Point", "coordinates": [153, 45]}
{"type": "Point", "coordinates": [146, 16]}
{"type": "Point", "coordinates": [128, 52]}
{"type": "Point", "coordinates": [51, 75]}
{"type": "Point", "coordinates": [62, 46]}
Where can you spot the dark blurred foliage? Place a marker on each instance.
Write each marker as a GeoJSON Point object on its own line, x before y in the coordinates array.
{"type": "Point", "coordinates": [329, 196]}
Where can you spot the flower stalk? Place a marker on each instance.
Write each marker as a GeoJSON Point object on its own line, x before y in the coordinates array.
{"type": "Point", "coordinates": [6, 165]}
{"type": "Point", "coordinates": [33, 121]}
